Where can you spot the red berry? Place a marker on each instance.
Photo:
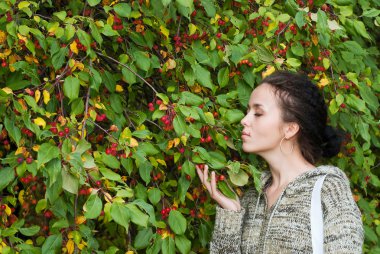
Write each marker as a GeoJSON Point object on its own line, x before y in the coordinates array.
{"type": "Point", "coordinates": [4, 64]}
{"type": "Point", "coordinates": [108, 151]}
{"type": "Point", "coordinates": [20, 160]}
{"type": "Point", "coordinates": [158, 102]}
{"type": "Point", "coordinates": [188, 177]}
{"type": "Point", "coordinates": [48, 214]}
{"type": "Point", "coordinates": [29, 160]}
{"type": "Point", "coordinates": [61, 134]}
{"type": "Point", "coordinates": [150, 105]}
{"type": "Point", "coordinates": [182, 150]}
{"type": "Point", "coordinates": [221, 178]}
{"type": "Point", "coordinates": [208, 139]}
{"type": "Point", "coordinates": [98, 183]}
{"type": "Point", "coordinates": [67, 130]}
{"type": "Point", "coordinates": [218, 35]}
{"type": "Point", "coordinates": [3, 207]}
{"type": "Point", "coordinates": [119, 39]}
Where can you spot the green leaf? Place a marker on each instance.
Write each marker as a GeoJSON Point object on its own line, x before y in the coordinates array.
{"type": "Point", "coordinates": [225, 189]}
{"type": "Point", "coordinates": [120, 214]}
{"type": "Point", "coordinates": [109, 174]}
{"type": "Point", "coordinates": [142, 60]}
{"type": "Point", "coordinates": [30, 231]}
{"type": "Point", "coordinates": [223, 76]}
{"type": "Point", "coordinates": [294, 62]}
{"type": "Point", "coordinates": [84, 38]}
{"type": "Point", "coordinates": [144, 171]}
{"type": "Point", "coordinates": [179, 125]}
{"type": "Point", "coordinates": [297, 49]}
{"type": "Point", "coordinates": [209, 8]}
{"type": "Point", "coordinates": [234, 115]}
{"type": "Point", "coordinates": [183, 244]}
{"type": "Point", "coordinates": [203, 76]}
{"type": "Point", "coordinates": [6, 177]}
{"type": "Point", "coordinates": [95, 32]}
{"type": "Point", "coordinates": [59, 58]}
{"type": "Point", "coordinates": [265, 55]}
{"type": "Point", "coordinates": [154, 195]}
{"type": "Point", "coordinates": [189, 98]}
{"type": "Point", "coordinates": [168, 246]}
{"type": "Point", "coordinates": [110, 161]}
{"type": "Point", "coordinates": [77, 107]}
{"type": "Point", "coordinates": [137, 216]}
{"type": "Point", "coordinates": [300, 19]}
{"type": "Point", "coordinates": [371, 13]}
{"type": "Point", "coordinates": [52, 244]}
{"type": "Point", "coordinates": [41, 205]}
{"type": "Point", "coordinates": [123, 10]}
{"type": "Point", "coordinates": [92, 3]}
{"type": "Point", "coordinates": [69, 182]}
{"type": "Point", "coordinates": [142, 239]}
{"type": "Point", "coordinates": [323, 29]}
{"type": "Point", "coordinates": [46, 152]}
{"type": "Point", "coordinates": [13, 131]}
{"type": "Point", "coordinates": [93, 206]}
{"type": "Point", "coordinates": [71, 87]}
{"type": "Point", "coordinates": [177, 222]}
{"type": "Point", "coordinates": [239, 179]}
{"type": "Point", "coordinates": [369, 97]}
{"type": "Point", "coordinates": [361, 29]}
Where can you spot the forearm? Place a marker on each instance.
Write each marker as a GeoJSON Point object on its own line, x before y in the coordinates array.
{"type": "Point", "coordinates": [227, 231]}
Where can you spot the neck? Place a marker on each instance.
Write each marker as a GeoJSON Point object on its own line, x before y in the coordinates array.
{"type": "Point", "coordinates": [285, 168]}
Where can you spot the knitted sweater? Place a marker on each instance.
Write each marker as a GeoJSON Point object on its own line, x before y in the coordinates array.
{"type": "Point", "coordinates": [285, 227]}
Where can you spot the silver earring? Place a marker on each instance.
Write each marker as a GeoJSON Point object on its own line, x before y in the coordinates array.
{"type": "Point", "coordinates": [291, 150]}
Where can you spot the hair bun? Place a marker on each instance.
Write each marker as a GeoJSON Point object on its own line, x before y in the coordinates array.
{"type": "Point", "coordinates": [332, 142]}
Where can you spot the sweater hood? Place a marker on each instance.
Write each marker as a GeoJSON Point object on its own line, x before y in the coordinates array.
{"type": "Point", "coordinates": [266, 176]}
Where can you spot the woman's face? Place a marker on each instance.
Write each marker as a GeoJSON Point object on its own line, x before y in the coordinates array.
{"type": "Point", "coordinates": [262, 125]}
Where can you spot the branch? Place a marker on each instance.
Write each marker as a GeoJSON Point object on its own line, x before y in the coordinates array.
{"type": "Point", "coordinates": [136, 74]}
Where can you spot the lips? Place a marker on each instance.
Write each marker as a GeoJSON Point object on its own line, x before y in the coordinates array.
{"type": "Point", "coordinates": [244, 133]}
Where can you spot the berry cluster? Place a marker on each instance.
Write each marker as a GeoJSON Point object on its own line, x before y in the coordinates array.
{"type": "Point", "coordinates": [166, 211]}
{"type": "Point", "coordinates": [118, 24]}
{"type": "Point", "coordinates": [62, 133]}
{"type": "Point", "coordinates": [151, 105]}
{"type": "Point", "coordinates": [101, 117]}
{"type": "Point", "coordinates": [167, 120]}
{"type": "Point", "coordinates": [80, 46]}
{"type": "Point", "coordinates": [27, 132]}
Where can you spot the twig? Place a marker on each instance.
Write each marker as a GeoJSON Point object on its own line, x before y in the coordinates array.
{"type": "Point", "coordinates": [100, 127]}
{"type": "Point", "coordinates": [136, 74]}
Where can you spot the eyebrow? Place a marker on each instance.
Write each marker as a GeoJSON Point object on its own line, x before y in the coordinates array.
{"type": "Point", "coordinates": [256, 105]}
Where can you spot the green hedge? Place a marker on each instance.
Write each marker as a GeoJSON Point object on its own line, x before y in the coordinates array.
{"type": "Point", "coordinates": [106, 107]}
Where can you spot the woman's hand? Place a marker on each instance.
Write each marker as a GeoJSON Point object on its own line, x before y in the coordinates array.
{"type": "Point", "coordinates": [223, 201]}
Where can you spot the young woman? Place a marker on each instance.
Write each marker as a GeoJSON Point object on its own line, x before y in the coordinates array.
{"type": "Point", "coordinates": [286, 124]}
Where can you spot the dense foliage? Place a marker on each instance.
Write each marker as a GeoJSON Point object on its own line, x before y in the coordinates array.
{"type": "Point", "coordinates": [106, 107]}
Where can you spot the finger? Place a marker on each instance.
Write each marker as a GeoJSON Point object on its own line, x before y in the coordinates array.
{"type": "Point", "coordinates": [200, 173]}
{"type": "Point", "coordinates": [205, 179]}
{"type": "Point", "coordinates": [213, 183]}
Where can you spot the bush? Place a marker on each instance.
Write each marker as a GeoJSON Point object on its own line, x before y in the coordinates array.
{"type": "Point", "coordinates": [106, 107]}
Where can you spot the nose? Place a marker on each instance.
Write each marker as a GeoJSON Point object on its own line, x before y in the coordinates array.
{"type": "Point", "coordinates": [244, 121]}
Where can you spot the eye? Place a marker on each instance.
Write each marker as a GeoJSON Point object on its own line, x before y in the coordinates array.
{"type": "Point", "coordinates": [257, 114]}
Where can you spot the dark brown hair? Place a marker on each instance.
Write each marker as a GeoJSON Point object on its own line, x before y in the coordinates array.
{"type": "Point", "coordinates": [302, 103]}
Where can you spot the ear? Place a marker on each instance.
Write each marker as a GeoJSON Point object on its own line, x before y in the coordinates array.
{"type": "Point", "coordinates": [291, 129]}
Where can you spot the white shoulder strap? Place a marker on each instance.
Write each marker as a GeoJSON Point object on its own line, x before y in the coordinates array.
{"type": "Point", "coordinates": [316, 217]}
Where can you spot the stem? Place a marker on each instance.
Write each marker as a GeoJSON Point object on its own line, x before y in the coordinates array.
{"type": "Point", "coordinates": [136, 74]}
{"type": "Point", "coordinates": [100, 127]}
{"type": "Point", "coordinates": [86, 110]}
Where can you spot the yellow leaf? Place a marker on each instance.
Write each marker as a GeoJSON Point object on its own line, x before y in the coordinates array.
{"type": "Point", "coordinates": [133, 143]}
{"type": "Point", "coordinates": [170, 64]}
{"type": "Point", "coordinates": [21, 37]}
{"type": "Point", "coordinates": [8, 211]}
{"type": "Point", "coordinates": [99, 106]}
{"type": "Point", "coordinates": [129, 252]}
{"type": "Point", "coordinates": [29, 241]}
{"type": "Point", "coordinates": [5, 54]}
{"type": "Point", "coordinates": [36, 148]}
{"type": "Point", "coordinates": [126, 133]}
{"type": "Point", "coordinates": [74, 48]}
{"type": "Point", "coordinates": [271, 26]}
{"type": "Point", "coordinates": [80, 220]}
{"type": "Point", "coordinates": [37, 95]}
{"type": "Point", "coordinates": [23, 4]}
{"type": "Point", "coordinates": [119, 88]}
{"type": "Point", "coordinates": [20, 150]}
{"type": "Point", "coordinates": [270, 70]}
{"type": "Point", "coordinates": [21, 197]}
{"type": "Point", "coordinates": [31, 59]}
{"type": "Point", "coordinates": [184, 139]}
{"type": "Point", "coordinates": [70, 246]}
{"type": "Point", "coordinates": [192, 28]}
{"type": "Point", "coordinates": [176, 142]}
{"type": "Point", "coordinates": [164, 31]}
{"type": "Point", "coordinates": [189, 196]}
{"type": "Point", "coordinates": [7, 90]}
{"type": "Point", "coordinates": [323, 82]}
{"type": "Point", "coordinates": [40, 122]}
{"type": "Point", "coordinates": [46, 96]}
{"type": "Point", "coordinates": [314, 39]}
{"type": "Point", "coordinates": [162, 107]}
{"type": "Point", "coordinates": [170, 144]}
{"type": "Point", "coordinates": [110, 20]}
{"type": "Point", "coordinates": [162, 162]}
